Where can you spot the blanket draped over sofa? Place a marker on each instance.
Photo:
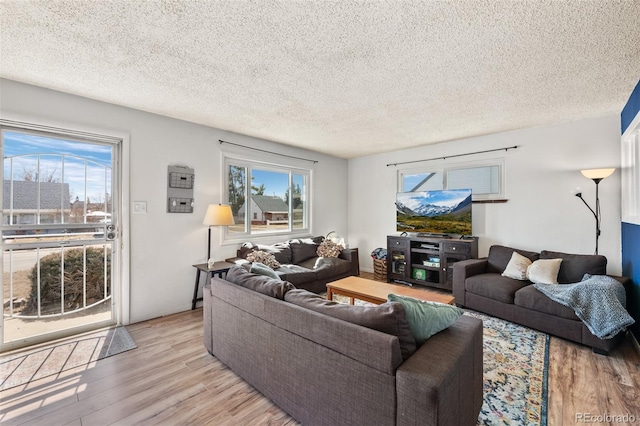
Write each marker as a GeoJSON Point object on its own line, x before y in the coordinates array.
{"type": "Point", "coordinates": [486, 286]}
{"type": "Point", "coordinates": [599, 301]}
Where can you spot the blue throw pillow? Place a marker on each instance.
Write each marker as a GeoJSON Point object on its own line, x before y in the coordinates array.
{"type": "Point", "coordinates": [426, 318]}
{"type": "Point", "coordinates": [262, 269]}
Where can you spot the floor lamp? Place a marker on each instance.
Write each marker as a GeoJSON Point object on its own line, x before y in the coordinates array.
{"type": "Point", "coordinates": [596, 175]}
{"type": "Point", "coordinates": [217, 215]}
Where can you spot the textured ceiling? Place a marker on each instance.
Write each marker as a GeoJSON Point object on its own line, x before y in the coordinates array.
{"type": "Point", "coordinates": [347, 78]}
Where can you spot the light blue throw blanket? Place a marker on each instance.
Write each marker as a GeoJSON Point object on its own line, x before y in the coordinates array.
{"type": "Point", "coordinates": [598, 300]}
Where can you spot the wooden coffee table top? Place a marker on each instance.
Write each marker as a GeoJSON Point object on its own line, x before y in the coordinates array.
{"type": "Point", "coordinates": [377, 292]}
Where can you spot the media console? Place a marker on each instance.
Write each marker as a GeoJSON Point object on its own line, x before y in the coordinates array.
{"type": "Point", "coordinates": [427, 261]}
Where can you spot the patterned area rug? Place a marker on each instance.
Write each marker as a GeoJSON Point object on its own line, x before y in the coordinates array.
{"type": "Point", "coordinates": [516, 365]}
{"type": "Point", "coordinates": [20, 368]}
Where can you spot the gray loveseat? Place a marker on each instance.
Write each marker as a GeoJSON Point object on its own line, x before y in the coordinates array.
{"type": "Point", "coordinates": [479, 285]}
{"type": "Point", "coordinates": [300, 263]}
{"type": "Point", "coordinates": [327, 371]}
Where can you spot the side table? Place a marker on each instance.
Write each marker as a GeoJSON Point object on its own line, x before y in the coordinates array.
{"type": "Point", "coordinates": [218, 269]}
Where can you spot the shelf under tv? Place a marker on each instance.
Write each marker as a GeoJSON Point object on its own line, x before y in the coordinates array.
{"type": "Point", "coordinates": [414, 251]}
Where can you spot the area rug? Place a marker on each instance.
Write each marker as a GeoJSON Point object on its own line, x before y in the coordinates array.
{"type": "Point", "coordinates": [21, 368]}
{"type": "Point", "coordinates": [516, 365]}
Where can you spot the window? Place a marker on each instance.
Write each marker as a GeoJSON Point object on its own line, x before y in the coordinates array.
{"type": "Point", "coordinates": [484, 178]}
{"type": "Point", "coordinates": [631, 177]}
{"type": "Point", "coordinates": [273, 196]}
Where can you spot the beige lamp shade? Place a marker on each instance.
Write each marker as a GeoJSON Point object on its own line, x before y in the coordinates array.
{"type": "Point", "coordinates": [597, 173]}
{"type": "Point", "coordinates": [218, 215]}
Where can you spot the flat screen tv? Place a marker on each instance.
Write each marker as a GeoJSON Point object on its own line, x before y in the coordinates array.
{"type": "Point", "coordinates": [446, 212]}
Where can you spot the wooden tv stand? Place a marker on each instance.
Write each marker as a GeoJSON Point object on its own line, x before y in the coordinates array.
{"type": "Point", "coordinates": [427, 260]}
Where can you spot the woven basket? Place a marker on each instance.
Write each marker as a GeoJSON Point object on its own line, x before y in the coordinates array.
{"type": "Point", "coordinates": [380, 270]}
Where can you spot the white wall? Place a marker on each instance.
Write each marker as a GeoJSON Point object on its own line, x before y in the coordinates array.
{"type": "Point", "coordinates": [542, 212]}
{"type": "Point", "coordinates": [163, 245]}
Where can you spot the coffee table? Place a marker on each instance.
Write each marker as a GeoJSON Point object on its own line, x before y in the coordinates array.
{"type": "Point", "coordinates": [377, 292]}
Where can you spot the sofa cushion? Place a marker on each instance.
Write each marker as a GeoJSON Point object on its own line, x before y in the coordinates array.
{"type": "Point", "coordinates": [260, 283]}
{"type": "Point", "coordinates": [574, 266]}
{"type": "Point", "coordinates": [297, 274]}
{"type": "Point", "coordinates": [529, 297]}
{"type": "Point", "coordinates": [499, 257]}
{"type": "Point", "coordinates": [327, 267]}
{"type": "Point", "coordinates": [262, 269]}
{"type": "Point", "coordinates": [517, 267]}
{"type": "Point", "coordinates": [281, 251]}
{"type": "Point", "coordinates": [494, 286]}
{"type": "Point", "coordinates": [544, 271]}
{"type": "Point", "coordinates": [426, 318]}
{"type": "Point", "coordinates": [302, 250]}
{"type": "Point", "coordinates": [389, 318]}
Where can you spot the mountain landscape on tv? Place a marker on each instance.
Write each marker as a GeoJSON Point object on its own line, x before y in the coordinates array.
{"type": "Point", "coordinates": [434, 212]}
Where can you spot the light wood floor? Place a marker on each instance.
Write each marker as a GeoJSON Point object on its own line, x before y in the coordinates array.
{"type": "Point", "coordinates": [171, 379]}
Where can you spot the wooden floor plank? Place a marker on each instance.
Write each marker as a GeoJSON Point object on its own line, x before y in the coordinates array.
{"type": "Point", "coordinates": [171, 379]}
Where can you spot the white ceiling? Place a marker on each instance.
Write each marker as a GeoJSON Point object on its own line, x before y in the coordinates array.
{"type": "Point", "coordinates": [347, 78]}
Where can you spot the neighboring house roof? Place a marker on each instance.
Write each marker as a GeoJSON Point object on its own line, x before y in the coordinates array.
{"type": "Point", "coordinates": [25, 195]}
{"type": "Point", "coordinates": [268, 203]}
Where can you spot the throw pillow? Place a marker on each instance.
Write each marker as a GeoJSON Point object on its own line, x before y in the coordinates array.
{"type": "Point", "coordinates": [517, 267]}
{"type": "Point", "coordinates": [544, 271]}
{"type": "Point", "coordinates": [388, 318]}
{"type": "Point", "coordinates": [329, 249]}
{"type": "Point", "coordinates": [262, 269]}
{"type": "Point", "coordinates": [426, 318]}
{"type": "Point", "coordinates": [264, 258]}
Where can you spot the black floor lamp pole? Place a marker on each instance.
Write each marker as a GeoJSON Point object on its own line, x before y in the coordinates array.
{"type": "Point", "coordinates": [596, 175]}
{"type": "Point", "coordinates": [597, 181]}
{"type": "Point", "coordinates": [209, 245]}
{"type": "Point", "coordinates": [596, 212]}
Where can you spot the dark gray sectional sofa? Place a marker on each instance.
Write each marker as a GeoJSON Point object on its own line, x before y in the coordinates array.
{"type": "Point", "coordinates": [479, 285]}
{"type": "Point", "coordinates": [327, 371]}
{"type": "Point", "coordinates": [301, 266]}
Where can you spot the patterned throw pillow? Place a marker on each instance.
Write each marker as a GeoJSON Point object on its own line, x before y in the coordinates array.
{"type": "Point", "coordinates": [263, 257]}
{"type": "Point", "coordinates": [329, 249]}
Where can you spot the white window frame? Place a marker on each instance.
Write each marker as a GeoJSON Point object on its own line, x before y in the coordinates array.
{"type": "Point", "coordinates": [443, 168]}
{"type": "Point", "coordinates": [631, 174]}
{"type": "Point", "coordinates": [229, 159]}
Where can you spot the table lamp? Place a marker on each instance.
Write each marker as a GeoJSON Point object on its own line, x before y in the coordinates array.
{"type": "Point", "coordinates": [217, 215]}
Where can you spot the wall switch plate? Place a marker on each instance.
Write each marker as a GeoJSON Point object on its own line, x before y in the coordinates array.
{"type": "Point", "coordinates": [140, 207]}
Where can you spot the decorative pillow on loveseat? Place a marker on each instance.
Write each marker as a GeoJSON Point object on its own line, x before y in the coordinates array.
{"type": "Point", "coordinates": [499, 257]}
{"type": "Point", "coordinates": [328, 248]}
{"type": "Point", "coordinates": [426, 318]}
{"type": "Point", "coordinates": [544, 271]}
{"type": "Point", "coordinates": [260, 283]}
{"type": "Point", "coordinates": [388, 318]}
{"type": "Point", "coordinates": [263, 257]}
{"type": "Point", "coordinates": [517, 267]}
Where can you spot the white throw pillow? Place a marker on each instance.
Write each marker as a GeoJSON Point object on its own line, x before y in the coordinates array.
{"type": "Point", "coordinates": [544, 271]}
{"type": "Point", "coordinates": [517, 267]}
